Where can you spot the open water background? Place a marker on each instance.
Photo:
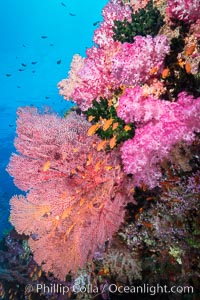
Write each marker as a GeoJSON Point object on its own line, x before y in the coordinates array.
{"type": "Point", "coordinates": [22, 25]}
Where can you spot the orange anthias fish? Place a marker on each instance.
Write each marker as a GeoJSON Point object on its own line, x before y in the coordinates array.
{"type": "Point", "coordinates": [46, 166]}
{"type": "Point", "coordinates": [150, 198]}
{"type": "Point", "coordinates": [190, 50]}
{"type": "Point", "coordinates": [188, 68]}
{"type": "Point", "coordinates": [113, 142]}
{"type": "Point", "coordinates": [165, 73]}
{"type": "Point", "coordinates": [90, 118]}
{"type": "Point", "coordinates": [181, 63]}
{"type": "Point", "coordinates": [148, 224]}
{"type": "Point", "coordinates": [97, 166]}
{"type": "Point", "coordinates": [143, 186]}
{"type": "Point", "coordinates": [108, 168]}
{"type": "Point", "coordinates": [93, 129]}
{"type": "Point", "coordinates": [107, 124]}
{"type": "Point", "coordinates": [89, 160]}
{"type": "Point", "coordinates": [101, 145]}
{"type": "Point", "coordinates": [127, 128]}
{"type": "Point", "coordinates": [115, 125]}
{"type": "Point", "coordinates": [153, 70]}
{"type": "Point", "coordinates": [123, 88]}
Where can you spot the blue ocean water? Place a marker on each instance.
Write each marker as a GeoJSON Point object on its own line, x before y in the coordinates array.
{"type": "Point", "coordinates": [35, 36]}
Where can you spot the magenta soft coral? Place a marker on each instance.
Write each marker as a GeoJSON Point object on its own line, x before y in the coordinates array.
{"type": "Point", "coordinates": [184, 10]}
{"type": "Point", "coordinates": [93, 79]}
{"type": "Point", "coordinates": [153, 141]}
{"type": "Point", "coordinates": [75, 203]}
{"type": "Point", "coordinates": [135, 106]}
{"type": "Point", "coordinates": [114, 10]}
{"type": "Point", "coordinates": [137, 62]}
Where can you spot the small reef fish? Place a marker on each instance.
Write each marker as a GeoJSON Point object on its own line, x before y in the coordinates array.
{"type": "Point", "coordinates": [144, 187]}
{"type": "Point", "coordinates": [148, 224]}
{"type": "Point", "coordinates": [63, 4]}
{"type": "Point", "coordinates": [23, 65]}
{"type": "Point", "coordinates": [115, 125]}
{"type": "Point", "coordinates": [46, 166]}
{"type": "Point", "coordinates": [59, 62]}
{"type": "Point", "coordinates": [95, 23]}
{"type": "Point", "coordinates": [72, 15]}
{"type": "Point", "coordinates": [127, 128]}
{"type": "Point", "coordinates": [108, 168]}
{"type": "Point", "coordinates": [141, 210]}
{"type": "Point", "coordinates": [39, 273]}
{"type": "Point", "coordinates": [8, 75]}
{"type": "Point", "coordinates": [93, 129]}
{"type": "Point", "coordinates": [190, 50]}
{"type": "Point", "coordinates": [165, 73]}
{"type": "Point", "coordinates": [150, 198]}
{"type": "Point", "coordinates": [89, 160]}
{"type": "Point", "coordinates": [181, 63]}
{"type": "Point", "coordinates": [153, 70]}
{"type": "Point", "coordinates": [101, 145]}
{"type": "Point", "coordinates": [44, 37]}
{"type": "Point", "coordinates": [107, 124]}
{"type": "Point", "coordinates": [90, 118]}
{"type": "Point", "coordinates": [113, 142]}
{"type": "Point", "coordinates": [188, 68]}
{"type": "Point", "coordinates": [98, 166]}
{"type": "Point", "coordinates": [34, 62]}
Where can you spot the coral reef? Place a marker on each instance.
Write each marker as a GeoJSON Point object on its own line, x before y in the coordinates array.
{"type": "Point", "coordinates": [112, 188]}
{"type": "Point", "coordinates": [145, 20]}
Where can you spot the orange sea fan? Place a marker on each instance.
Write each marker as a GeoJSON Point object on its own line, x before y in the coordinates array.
{"type": "Point", "coordinates": [77, 203]}
{"type": "Point", "coordinates": [29, 217]}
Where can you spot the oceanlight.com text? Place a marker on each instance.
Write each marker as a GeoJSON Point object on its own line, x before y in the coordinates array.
{"type": "Point", "coordinates": [108, 288]}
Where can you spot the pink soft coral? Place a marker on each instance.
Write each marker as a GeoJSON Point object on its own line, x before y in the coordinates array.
{"type": "Point", "coordinates": [93, 78]}
{"type": "Point", "coordinates": [153, 141]}
{"type": "Point", "coordinates": [76, 194]}
{"type": "Point", "coordinates": [138, 4]}
{"type": "Point", "coordinates": [67, 86]}
{"type": "Point", "coordinates": [112, 11]}
{"type": "Point", "coordinates": [134, 106]}
{"type": "Point", "coordinates": [137, 62]}
{"type": "Point", "coordinates": [184, 10]}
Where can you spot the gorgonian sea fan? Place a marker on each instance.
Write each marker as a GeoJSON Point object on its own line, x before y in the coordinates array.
{"type": "Point", "coordinates": [75, 194]}
{"type": "Point", "coordinates": [136, 63]}
{"type": "Point", "coordinates": [154, 140]}
{"type": "Point", "coordinates": [184, 10]}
